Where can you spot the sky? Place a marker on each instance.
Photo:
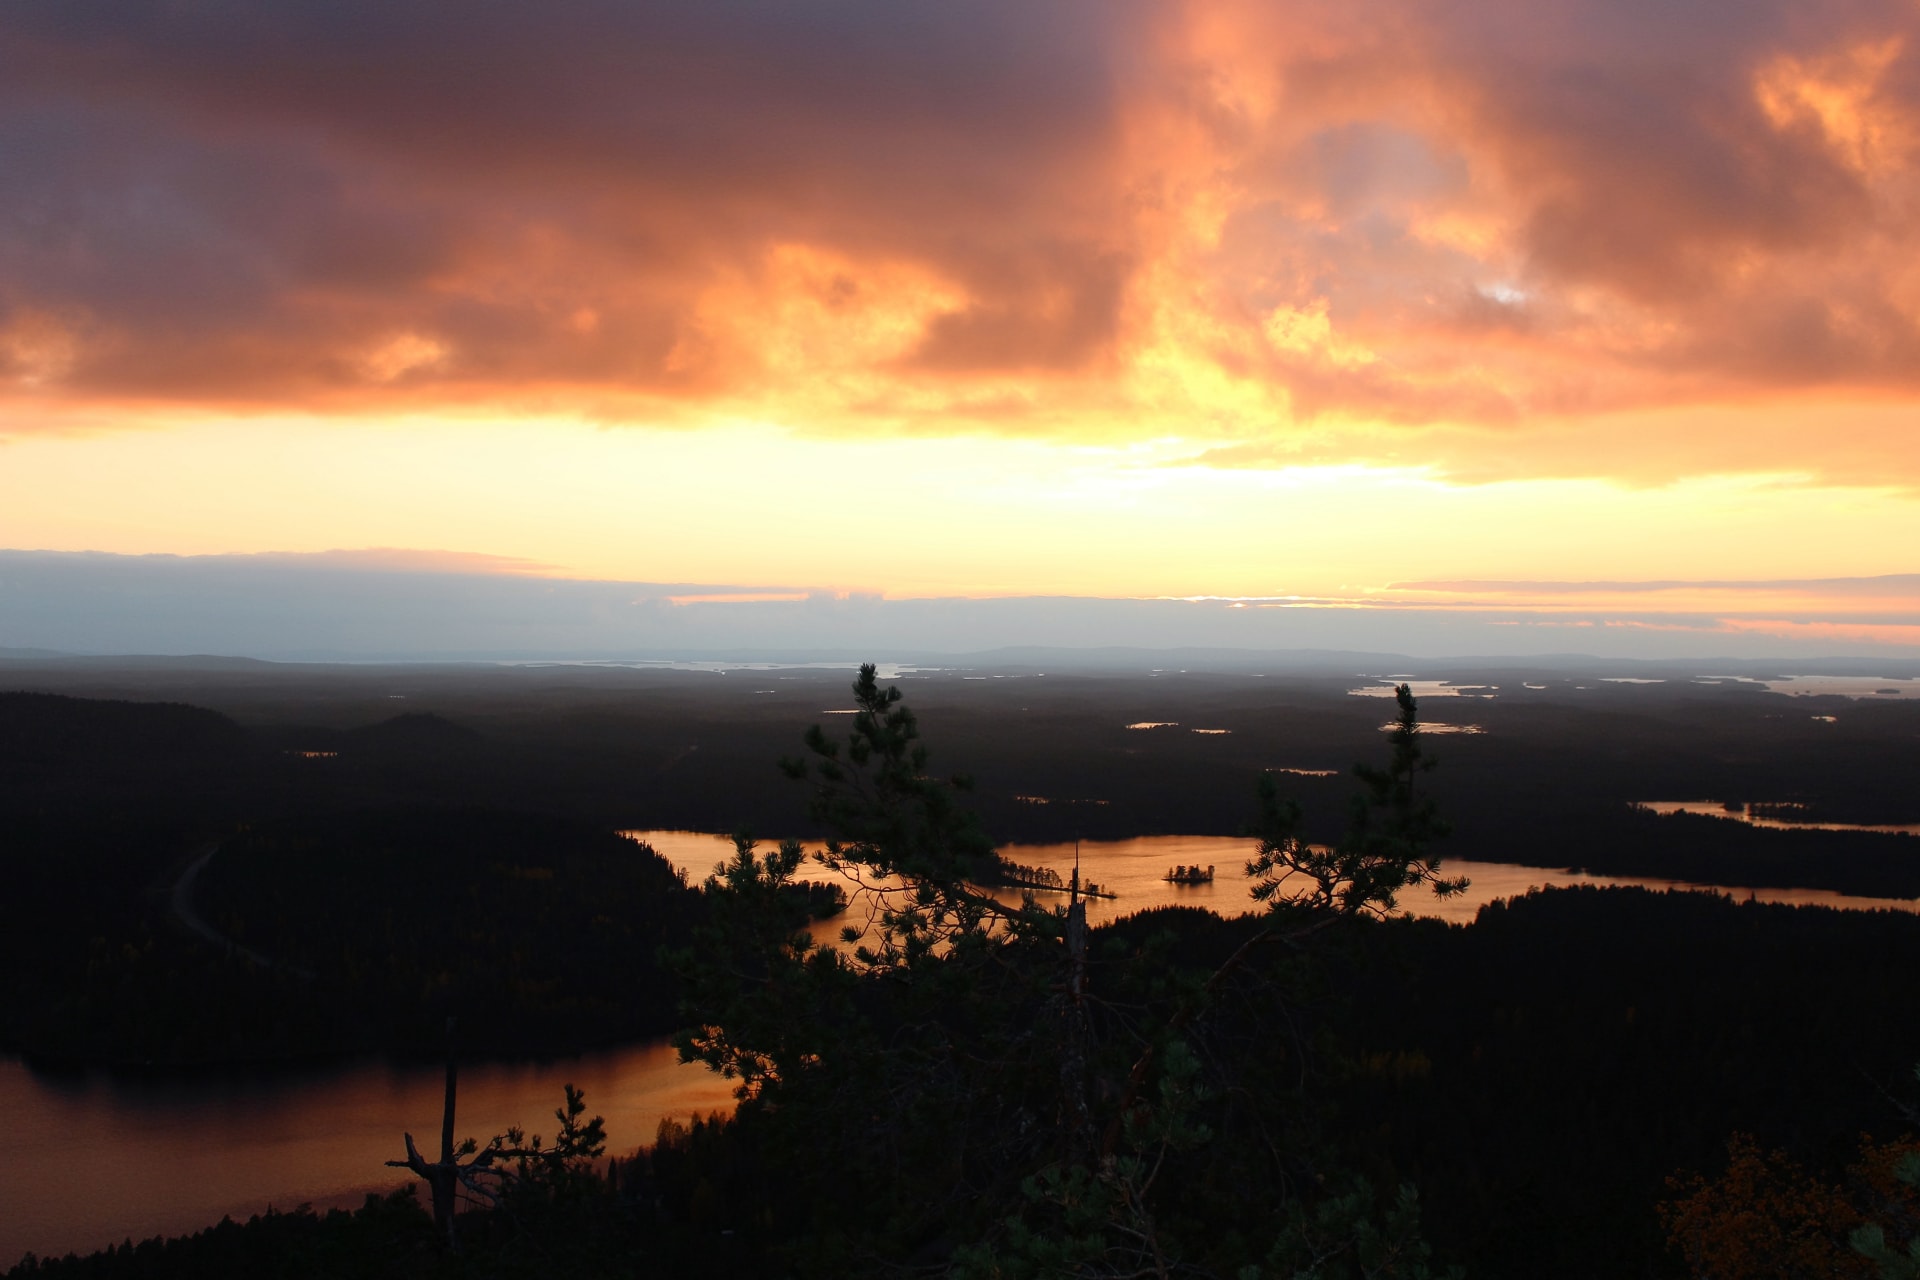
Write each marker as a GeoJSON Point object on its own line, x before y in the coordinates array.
{"type": "Point", "coordinates": [1603, 310]}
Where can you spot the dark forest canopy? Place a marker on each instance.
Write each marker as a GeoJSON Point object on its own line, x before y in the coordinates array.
{"type": "Point", "coordinates": [1512, 1095]}
{"type": "Point", "coordinates": [103, 802]}
{"type": "Point", "coordinates": [1538, 1075]}
{"type": "Point", "coordinates": [1549, 782]}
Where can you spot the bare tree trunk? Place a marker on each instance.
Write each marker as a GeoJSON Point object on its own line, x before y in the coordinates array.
{"type": "Point", "coordinates": [1073, 1056]}
{"type": "Point", "coordinates": [443, 1186]}
{"type": "Point", "coordinates": [442, 1177]}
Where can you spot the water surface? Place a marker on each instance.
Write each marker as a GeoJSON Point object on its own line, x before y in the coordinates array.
{"type": "Point", "coordinates": [1135, 871]}
{"type": "Point", "coordinates": [1868, 687]}
{"type": "Point", "coordinates": [99, 1157]}
{"type": "Point", "coordinates": [103, 1157]}
{"type": "Point", "coordinates": [1762, 816]}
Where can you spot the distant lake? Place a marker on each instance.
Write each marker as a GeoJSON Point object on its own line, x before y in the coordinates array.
{"type": "Point", "coordinates": [1763, 816]}
{"type": "Point", "coordinates": [1869, 688]}
{"type": "Point", "coordinates": [117, 1156]}
{"type": "Point", "coordinates": [884, 670]}
{"type": "Point", "coordinates": [1135, 871]}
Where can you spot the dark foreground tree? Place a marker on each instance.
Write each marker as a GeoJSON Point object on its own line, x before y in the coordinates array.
{"type": "Point", "coordinates": [972, 1086]}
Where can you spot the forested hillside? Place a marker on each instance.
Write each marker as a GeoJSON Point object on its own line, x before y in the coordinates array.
{"type": "Point", "coordinates": [1318, 1088]}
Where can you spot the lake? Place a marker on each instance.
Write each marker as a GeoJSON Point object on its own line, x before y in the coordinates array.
{"type": "Point", "coordinates": [1761, 816]}
{"type": "Point", "coordinates": [115, 1156]}
{"type": "Point", "coordinates": [118, 1156]}
{"type": "Point", "coordinates": [1135, 871]}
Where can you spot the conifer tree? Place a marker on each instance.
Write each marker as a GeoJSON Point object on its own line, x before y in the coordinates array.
{"type": "Point", "coordinates": [986, 1091]}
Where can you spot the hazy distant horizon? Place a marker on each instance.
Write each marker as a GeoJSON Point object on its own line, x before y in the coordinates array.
{"type": "Point", "coordinates": [413, 606]}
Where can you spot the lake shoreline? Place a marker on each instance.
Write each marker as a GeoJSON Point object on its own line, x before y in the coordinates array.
{"type": "Point", "coordinates": [695, 852]}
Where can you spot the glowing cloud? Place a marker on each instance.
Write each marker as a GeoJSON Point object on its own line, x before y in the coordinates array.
{"type": "Point", "coordinates": [1671, 249]}
{"type": "Point", "coordinates": [1229, 219]}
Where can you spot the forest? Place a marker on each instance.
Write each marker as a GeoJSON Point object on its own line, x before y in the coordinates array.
{"type": "Point", "coordinates": [1579, 1083]}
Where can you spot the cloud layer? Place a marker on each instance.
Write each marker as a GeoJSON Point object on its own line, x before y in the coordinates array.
{"type": "Point", "coordinates": [1482, 235]}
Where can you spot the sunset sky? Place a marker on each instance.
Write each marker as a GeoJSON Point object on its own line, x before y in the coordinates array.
{"type": "Point", "coordinates": [1595, 307]}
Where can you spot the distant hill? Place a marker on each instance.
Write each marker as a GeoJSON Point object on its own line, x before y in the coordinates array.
{"type": "Point", "coordinates": [42, 728]}
{"type": "Point", "coordinates": [414, 731]}
{"type": "Point", "coordinates": [29, 655]}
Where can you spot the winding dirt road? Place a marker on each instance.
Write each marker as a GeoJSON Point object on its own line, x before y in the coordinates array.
{"type": "Point", "coordinates": [189, 915]}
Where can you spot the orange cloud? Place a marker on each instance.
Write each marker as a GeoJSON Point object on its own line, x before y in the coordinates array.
{"type": "Point", "coordinates": [1495, 239]}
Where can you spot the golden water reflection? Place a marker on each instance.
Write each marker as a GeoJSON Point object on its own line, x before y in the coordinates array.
{"type": "Point", "coordinates": [1764, 816]}
{"type": "Point", "coordinates": [118, 1158]}
{"type": "Point", "coordinates": [115, 1157]}
{"type": "Point", "coordinates": [1135, 871]}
